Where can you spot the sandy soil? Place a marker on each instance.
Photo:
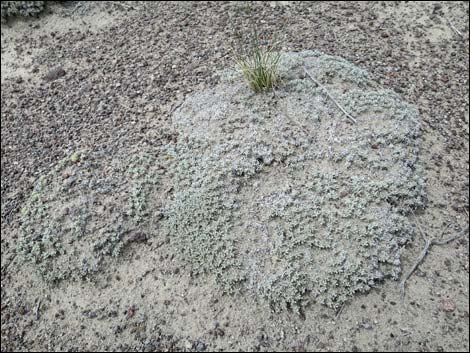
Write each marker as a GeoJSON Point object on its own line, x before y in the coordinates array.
{"type": "Point", "coordinates": [127, 66]}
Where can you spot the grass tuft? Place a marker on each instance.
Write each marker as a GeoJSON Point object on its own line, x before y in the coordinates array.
{"type": "Point", "coordinates": [259, 66]}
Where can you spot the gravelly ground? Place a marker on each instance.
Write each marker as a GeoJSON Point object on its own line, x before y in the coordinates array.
{"type": "Point", "coordinates": [126, 69]}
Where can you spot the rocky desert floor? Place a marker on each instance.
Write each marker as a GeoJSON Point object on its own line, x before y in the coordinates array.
{"type": "Point", "coordinates": [107, 76]}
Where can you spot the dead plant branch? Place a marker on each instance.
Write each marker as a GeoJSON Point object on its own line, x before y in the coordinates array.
{"type": "Point", "coordinates": [454, 29]}
{"type": "Point", "coordinates": [350, 117]}
{"type": "Point", "coordinates": [38, 307]}
{"type": "Point", "coordinates": [424, 252]}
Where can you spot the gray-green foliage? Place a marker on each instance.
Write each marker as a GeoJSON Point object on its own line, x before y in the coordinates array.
{"type": "Point", "coordinates": [279, 195]}
{"type": "Point", "coordinates": [21, 8]}
{"type": "Point", "coordinates": [85, 211]}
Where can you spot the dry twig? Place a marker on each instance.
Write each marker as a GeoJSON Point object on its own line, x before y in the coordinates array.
{"type": "Point", "coordinates": [5, 267]}
{"type": "Point", "coordinates": [350, 117]}
{"type": "Point", "coordinates": [424, 252]}
{"type": "Point", "coordinates": [454, 29]}
{"type": "Point", "coordinates": [37, 309]}
{"type": "Point", "coordinates": [340, 311]}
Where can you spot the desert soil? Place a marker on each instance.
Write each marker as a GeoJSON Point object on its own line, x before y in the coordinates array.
{"type": "Point", "coordinates": [127, 67]}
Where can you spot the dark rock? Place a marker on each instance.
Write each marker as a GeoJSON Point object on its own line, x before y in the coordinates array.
{"type": "Point", "coordinates": [54, 74]}
{"type": "Point", "coordinates": [200, 346]}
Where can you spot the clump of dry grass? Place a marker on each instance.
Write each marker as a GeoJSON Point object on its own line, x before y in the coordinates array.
{"type": "Point", "coordinates": [259, 65]}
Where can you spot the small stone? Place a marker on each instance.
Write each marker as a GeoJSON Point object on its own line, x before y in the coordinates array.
{"type": "Point", "coordinates": [200, 346]}
{"type": "Point", "coordinates": [366, 326]}
{"type": "Point", "coordinates": [447, 305]}
{"type": "Point", "coordinates": [54, 74]}
{"type": "Point", "coordinates": [130, 312]}
{"type": "Point", "coordinates": [138, 237]}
